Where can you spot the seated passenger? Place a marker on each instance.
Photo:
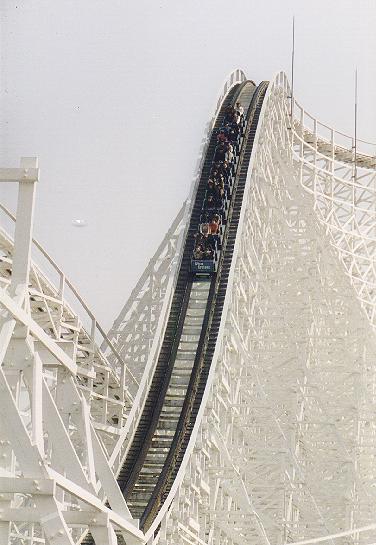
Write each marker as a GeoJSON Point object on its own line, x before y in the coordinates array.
{"type": "Point", "coordinates": [235, 140]}
{"type": "Point", "coordinates": [222, 169]}
{"type": "Point", "coordinates": [229, 114]}
{"type": "Point", "coordinates": [217, 173]}
{"type": "Point", "coordinates": [226, 169]}
{"type": "Point", "coordinates": [231, 135]}
{"type": "Point", "coordinates": [229, 154]}
{"type": "Point", "coordinates": [234, 134]}
{"type": "Point", "coordinates": [221, 136]}
{"type": "Point", "coordinates": [214, 225]}
{"type": "Point", "coordinates": [199, 252]}
{"type": "Point", "coordinates": [213, 202]}
{"type": "Point", "coordinates": [204, 229]}
{"type": "Point", "coordinates": [204, 246]}
{"type": "Point", "coordinates": [211, 188]}
{"type": "Point", "coordinates": [227, 129]}
{"type": "Point", "coordinates": [209, 247]}
{"type": "Point", "coordinates": [219, 188]}
{"type": "Point", "coordinates": [214, 174]}
{"type": "Point", "coordinates": [239, 108]}
{"type": "Point", "coordinates": [220, 152]}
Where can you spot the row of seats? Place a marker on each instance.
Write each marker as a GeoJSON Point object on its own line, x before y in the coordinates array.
{"type": "Point", "coordinates": [220, 185]}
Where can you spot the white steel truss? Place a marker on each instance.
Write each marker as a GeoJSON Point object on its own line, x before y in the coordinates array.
{"type": "Point", "coordinates": [284, 445]}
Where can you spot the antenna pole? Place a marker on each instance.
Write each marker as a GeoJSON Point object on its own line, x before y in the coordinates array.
{"type": "Point", "coordinates": [355, 122]}
{"type": "Point", "coordinates": [292, 66]}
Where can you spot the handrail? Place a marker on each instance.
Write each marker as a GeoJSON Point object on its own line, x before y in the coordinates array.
{"type": "Point", "coordinates": [65, 282]}
{"type": "Point", "coordinates": [322, 155]}
{"type": "Point", "coordinates": [342, 181]}
{"type": "Point", "coordinates": [325, 126]}
{"type": "Point", "coordinates": [333, 137]}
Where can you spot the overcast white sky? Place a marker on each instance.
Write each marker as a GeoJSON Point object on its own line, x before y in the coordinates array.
{"type": "Point", "coordinates": [113, 97]}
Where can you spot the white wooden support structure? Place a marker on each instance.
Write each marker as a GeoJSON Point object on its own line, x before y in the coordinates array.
{"type": "Point", "coordinates": [282, 450]}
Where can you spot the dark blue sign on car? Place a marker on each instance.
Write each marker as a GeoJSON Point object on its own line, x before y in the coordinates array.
{"type": "Point", "coordinates": [202, 266]}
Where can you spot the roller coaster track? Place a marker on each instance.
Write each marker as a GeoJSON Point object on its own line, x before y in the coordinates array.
{"type": "Point", "coordinates": [151, 447]}
{"type": "Point", "coordinates": [235, 408]}
{"type": "Point", "coordinates": [162, 374]}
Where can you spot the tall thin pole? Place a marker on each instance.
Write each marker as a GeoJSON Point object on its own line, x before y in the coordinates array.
{"type": "Point", "coordinates": [355, 152]}
{"type": "Point", "coordinates": [292, 66]}
{"type": "Point", "coordinates": [355, 122]}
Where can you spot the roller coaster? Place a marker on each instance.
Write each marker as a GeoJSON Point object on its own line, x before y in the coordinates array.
{"type": "Point", "coordinates": [232, 400]}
